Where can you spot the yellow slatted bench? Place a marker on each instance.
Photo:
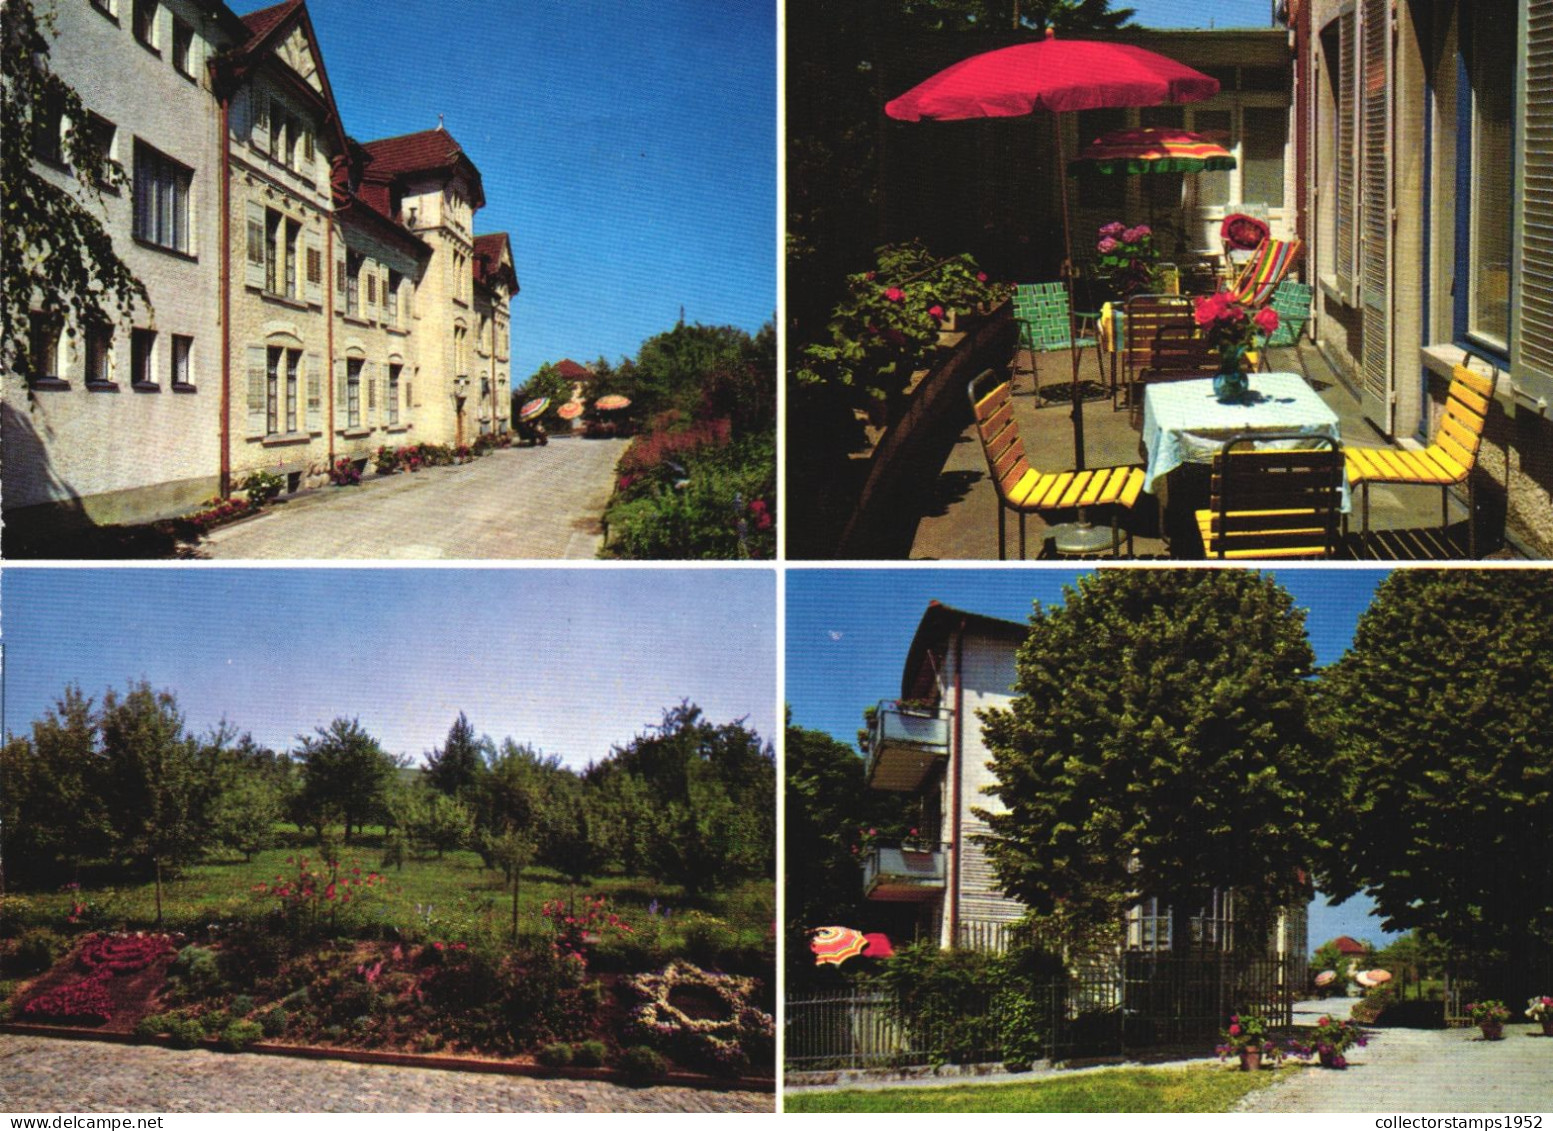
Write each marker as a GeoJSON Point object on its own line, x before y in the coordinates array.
{"type": "Point", "coordinates": [1025, 490]}
{"type": "Point", "coordinates": [1444, 463]}
{"type": "Point", "coordinates": [1274, 502]}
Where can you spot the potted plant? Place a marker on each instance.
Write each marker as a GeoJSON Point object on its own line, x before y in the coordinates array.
{"type": "Point", "coordinates": [1540, 1010]}
{"type": "Point", "coordinates": [1331, 1040]}
{"type": "Point", "coordinates": [1246, 1038]}
{"type": "Point", "coordinates": [1490, 1017]}
{"type": "Point", "coordinates": [1233, 330]}
{"type": "Point", "coordinates": [1126, 257]}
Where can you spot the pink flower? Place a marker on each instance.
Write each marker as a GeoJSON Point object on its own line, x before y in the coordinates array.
{"type": "Point", "coordinates": [981, 276]}
{"type": "Point", "coordinates": [1106, 246]}
{"type": "Point", "coordinates": [1114, 228]}
{"type": "Point", "coordinates": [894, 294]}
{"type": "Point", "coordinates": [936, 312]}
{"type": "Point", "coordinates": [1266, 319]}
{"type": "Point", "coordinates": [1234, 1030]}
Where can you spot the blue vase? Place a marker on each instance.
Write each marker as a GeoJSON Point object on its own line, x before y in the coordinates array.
{"type": "Point", "coordinates": [1230, 386]}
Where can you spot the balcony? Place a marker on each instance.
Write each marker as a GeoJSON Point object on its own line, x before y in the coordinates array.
{"type": "Point", "coordinates": [903, 874]}
{"type": "Point", "coordinates": [905, 746]}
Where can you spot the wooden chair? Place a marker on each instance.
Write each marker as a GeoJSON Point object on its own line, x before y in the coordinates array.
{"type": "Point", "coordinates": [1023, 489]}
{"type": "Point", "coordinates": [1161, 341]}
{"type": "Point", "coordinates": [1444, 463]}
{"type": "Point", "coordinates": [1274, 502]}
{"type": "Point", "coordinates": [1041, 309]}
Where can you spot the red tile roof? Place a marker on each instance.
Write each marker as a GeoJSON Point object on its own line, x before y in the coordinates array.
{"type": "Point", "coordinates": [425, 151]}
{"type": "Point", "coordinates": [572, 371]}
{"type": "Point", "coordinates": [1346, 945]}
{"type": "Point", "coordinates": [262, 22]}
{"type": "Point", "coordinates": [489, 266]}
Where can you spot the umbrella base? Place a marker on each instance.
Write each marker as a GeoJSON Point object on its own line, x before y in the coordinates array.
{"type": "Point", "coordinates": [1081, 538]}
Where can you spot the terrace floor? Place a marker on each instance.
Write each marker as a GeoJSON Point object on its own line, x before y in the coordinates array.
{"type": "Point", "coordinates": [960, 517]}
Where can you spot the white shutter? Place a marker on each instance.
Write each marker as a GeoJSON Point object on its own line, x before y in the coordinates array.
{"type": "Point", "coordinates": [315, 392]}
{"type": "Point", "coordinates": [1533, 355]}
{"type": "Point", "coordinates": [312, 253]}
{"type": "Point", "coordinates": [254, 244]}
{"type": "Point", "coordinates": [1375, 237]}
{"type": "Point", "coordinates": [1347, 155]}
{"type": "Point", "coordinates": [259, 115]}
{"type": "Point", "coordinates": [256, 391]}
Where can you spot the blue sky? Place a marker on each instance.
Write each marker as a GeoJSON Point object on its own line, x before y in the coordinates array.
{"type": "Point", "coordinates": [848, 632]}
{"type": "Point", "coordinates": [569, 660]}
{"type": "Point", "coordinates": [1199, 13]}
{"type": "Point", "coordinates": [629, 150]}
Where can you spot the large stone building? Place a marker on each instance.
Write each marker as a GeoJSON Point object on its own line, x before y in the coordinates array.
{"type": "Point", "coordinates": [312, 297]}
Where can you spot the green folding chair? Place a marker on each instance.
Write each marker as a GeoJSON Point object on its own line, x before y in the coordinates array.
{"type": "Point", "coordinates": [1041, 309]}
{"type": "Point", "coordinates": [1292, 302]}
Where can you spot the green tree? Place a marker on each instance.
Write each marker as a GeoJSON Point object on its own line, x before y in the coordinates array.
{"type": "Point", "coordinates": [455, 768]}
{"type": "Point", "coordinates": [53, 793]}
{"type": "Point", "coordinates": [1441, 716]}
{"type": "Point", "coordinates": [56, 255]}
{"type": "Point", "coordinates": [162, 782]}
{"type": "Point", "coordinates": [345, 776]}
{"type": "Point", "coordinates": [511, 851]}
{"type": "Point", "coordinates": [1158, 744]}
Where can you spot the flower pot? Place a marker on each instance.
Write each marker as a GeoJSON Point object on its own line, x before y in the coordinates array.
{"type": "Point", "coordinates": [1547, 1024]}
{"type": "Point", "coordinates": [1492, 1030]}
{"type": "Point", "coordinates": [1250, 1059]}
{"type": "Point", "coordinates": [1230, 385]}
{"type": "Point", "coordinates": [1331, 1058]}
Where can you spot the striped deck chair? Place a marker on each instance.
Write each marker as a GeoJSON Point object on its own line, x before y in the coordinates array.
{"type": "Point", "coordinates": [1268, 268]}
{"type": "Point", "coordinates": [1023, 489]}
{"type": "Point", "coordinates": [1041, 309]}
{"type": "Point", "coordinates": [1444, 463]}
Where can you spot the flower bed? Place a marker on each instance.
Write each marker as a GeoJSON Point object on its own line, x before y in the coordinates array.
{"type": "Point", "coordinates": [701, 1017]}
{"type": "Point", "coordinates": [122, 972]}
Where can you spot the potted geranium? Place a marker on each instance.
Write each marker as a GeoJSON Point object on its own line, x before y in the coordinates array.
{"type": "Point", "coordinates": [1233, 330]}
{"type": "Point", "coordinates": [1331, 1040]}
{"type": "Point", "coordinates": [1540, 1010]}
{"type": "Point", "coordinates": [1246, 1038]}
{"type": "Point", "coordinates": [1490, 1017]}
{"type": "Point", "coordinates": [1126, 256]}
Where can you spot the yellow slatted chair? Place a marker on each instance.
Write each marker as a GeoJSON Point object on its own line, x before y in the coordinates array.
{"type": "Point", "coordinates": [1444, 463]}
{"type": "Point", "coordinates": [1274, 502]}
{"type": "Point", "coordinates": [1023, 489]}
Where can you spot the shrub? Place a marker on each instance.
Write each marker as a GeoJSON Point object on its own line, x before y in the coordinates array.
{"type": "Point", "coordinates": [590, 1054]}
{"type": "Point", "coordinates": [640, 1064]}
{"type": "Point", "coordinates": [239, 1034]}
{"type": "Point", "coordinates": [262, 487]}
{"type": "Point", "coordinates": [273, 1021]}
{"type": "Point", "coordinates": [555, 1055]}
{"type": "Point", "coordinates": [186, 1032]}
{"type": "Point", "coordinates": [344, 473]}
{"type": "Point", "coordinates": [198, 968]}
{"type": "Point", "coordinates": [37, 949]}
{"type": "Point", "coordinates": [242, 1005]}
{"type": "Point", "coordinates": [215, 1021]}
{"type": "Point", "coordinates": [154, 1025]}
{"type": "Point", "coordinates": [386, 460]}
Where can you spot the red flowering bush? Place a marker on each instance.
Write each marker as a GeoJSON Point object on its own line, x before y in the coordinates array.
{"type": "Point", "coordinates": [124, 954]}
{"type": "Point", "coordinates": [315, 888]}
{"type": "Point", "coordinates": [84, 1001]}
{"type": "Point", "coordinates": [216, 512]}
{"type": "Point", "coordinates": [581, 926]}
{"type": "Point", "coordinates": [344, 473]}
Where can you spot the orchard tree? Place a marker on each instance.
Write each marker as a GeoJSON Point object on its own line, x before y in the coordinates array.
{"type": "Point", "coordinates": [345, 776]}
{"type": "Point", "coordinates": [1441, 712]}
{"type": "Point", "coordinates": [53, 792]}
{"type": "Point", "coordinates": [57, 257]}
{"type": "Point", "coordinates": [1158, 744]}
{"type": "Point", "coordinates": [455, 768]}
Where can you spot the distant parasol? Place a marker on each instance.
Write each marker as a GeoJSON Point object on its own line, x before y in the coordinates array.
{"type": "Point", "coordinates": [612, 401]}
{"type": "Point", "coordinates": [571, 410]}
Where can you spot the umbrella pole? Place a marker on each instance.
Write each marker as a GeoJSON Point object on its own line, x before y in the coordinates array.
{"type": "Point", "coordinates": [1081, 537]}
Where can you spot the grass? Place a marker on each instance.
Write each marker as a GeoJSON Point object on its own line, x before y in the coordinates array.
{"type": "Point", "coordinates": [1195, 1089]}
{"type": "Point", "coordinates": [452, 897]}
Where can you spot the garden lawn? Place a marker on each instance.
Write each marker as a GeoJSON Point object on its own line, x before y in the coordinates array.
{"type": "Point", "coordinates": [1197, 1089]}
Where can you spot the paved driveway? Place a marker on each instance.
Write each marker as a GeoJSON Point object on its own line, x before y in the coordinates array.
{"type": "Point", "coordinates": [39, 1074]}
{"type": "Point", "coordinates": [1404, 1071]}
{"type": "Point", "coordinates": [514, 503]}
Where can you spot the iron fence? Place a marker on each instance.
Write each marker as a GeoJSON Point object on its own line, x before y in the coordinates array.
{"type": "Point", "coordinates": [1135, 1002]}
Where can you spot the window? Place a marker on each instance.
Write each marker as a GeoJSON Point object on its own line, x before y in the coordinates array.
{"type": "Point", "coordinates": [1263, 136]}
{"type": "Point", "coordinates": [353, 392]}
{"type": "Point", "coordinates": [293, 359]}
{"type": "Point", "coordinates": [99, 354]}
{"type": "Point", "coordinates": [183, 48]}
{"type": "Point", "coordinates": [161, 200]}
{"type": "Point", "coordinates": [142, 355]}
{"type": "Point", "coordinates": [391, 295]}
{"type": "Point", "coordinates": [145, 23]}
{"type": "Point", "coordinates": [292, 252]}
{"type": "Point", "coordinates": [1491, 65]}
{"type": "Point", "coordinates": [353, 263]}
{"type": "Point", "coordinates": [103, 138]}
{"type": "Point", "coordinates": [276, 359]}
{"type": "Point", "coordinates": [273, 222]}
{"type": "Point", "coordinates": [43, 345]}
{"type": "Point", "coordinates": [393, 393]}
{"type": "Point", "coordinates": [109, 8]}
{"type": "Point", "coordinates": [315, 266]}
{"type": "Point", "coordinates": [183, 347]}
{"type": "Point", "coordinates": [460, 352]}
{"type": "Point", "coordinates": [48, 130]}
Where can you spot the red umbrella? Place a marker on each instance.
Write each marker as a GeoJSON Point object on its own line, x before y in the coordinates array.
{"type": "Point", "coordinates": [878, 946]}
{"type": "Point", "coordinates": [1058, 76]}
{"type": "Point", "coordinates": [836, 944]}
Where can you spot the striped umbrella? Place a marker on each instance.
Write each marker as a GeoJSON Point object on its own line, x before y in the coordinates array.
{"type": "Point", "coordinates": [1151, 149]}
{"type": "Point", "coordinates": [533, 408]}
{"type": "Point", "coordinates": [612, 401]}
{"type": "Point", "coordinates": [836, 944]}
{"type": "Point", "coordinates": [1326, 977]}
{"type": "Point", "coordinates": [571, 410]}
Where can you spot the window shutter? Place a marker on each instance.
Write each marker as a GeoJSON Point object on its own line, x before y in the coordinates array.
{"type": "Point", "coordinates": [1347, 156]}
{"type": "Point", "coordinates": [339, 275]}
{"type": "Point", "coordinates": [1375, 245]}
{"type": "Point", "coordinates": [1534, 338]}
{"type": "Point", "coordinates": [369, 394]}
{"type": "Point", "coordinates": [314, 284]}
{"type": "Point", "coordinates": [259, 113]}
{"type": "Point", "coordinates": [341, 394]}
{"type": "Point", "coordinates": [315, 392]}
{"type": "Point", "coordinates": [369, 278]}
{"type": "Point", "coordinates": [253, 268]}
{"type": "Point", "coordinates": [256, 391]}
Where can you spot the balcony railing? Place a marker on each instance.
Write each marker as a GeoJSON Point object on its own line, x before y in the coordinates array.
{"type": "Point", "coordinates": [903, 873]}
{"type": "Point", "coordinates": [905, 746]}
